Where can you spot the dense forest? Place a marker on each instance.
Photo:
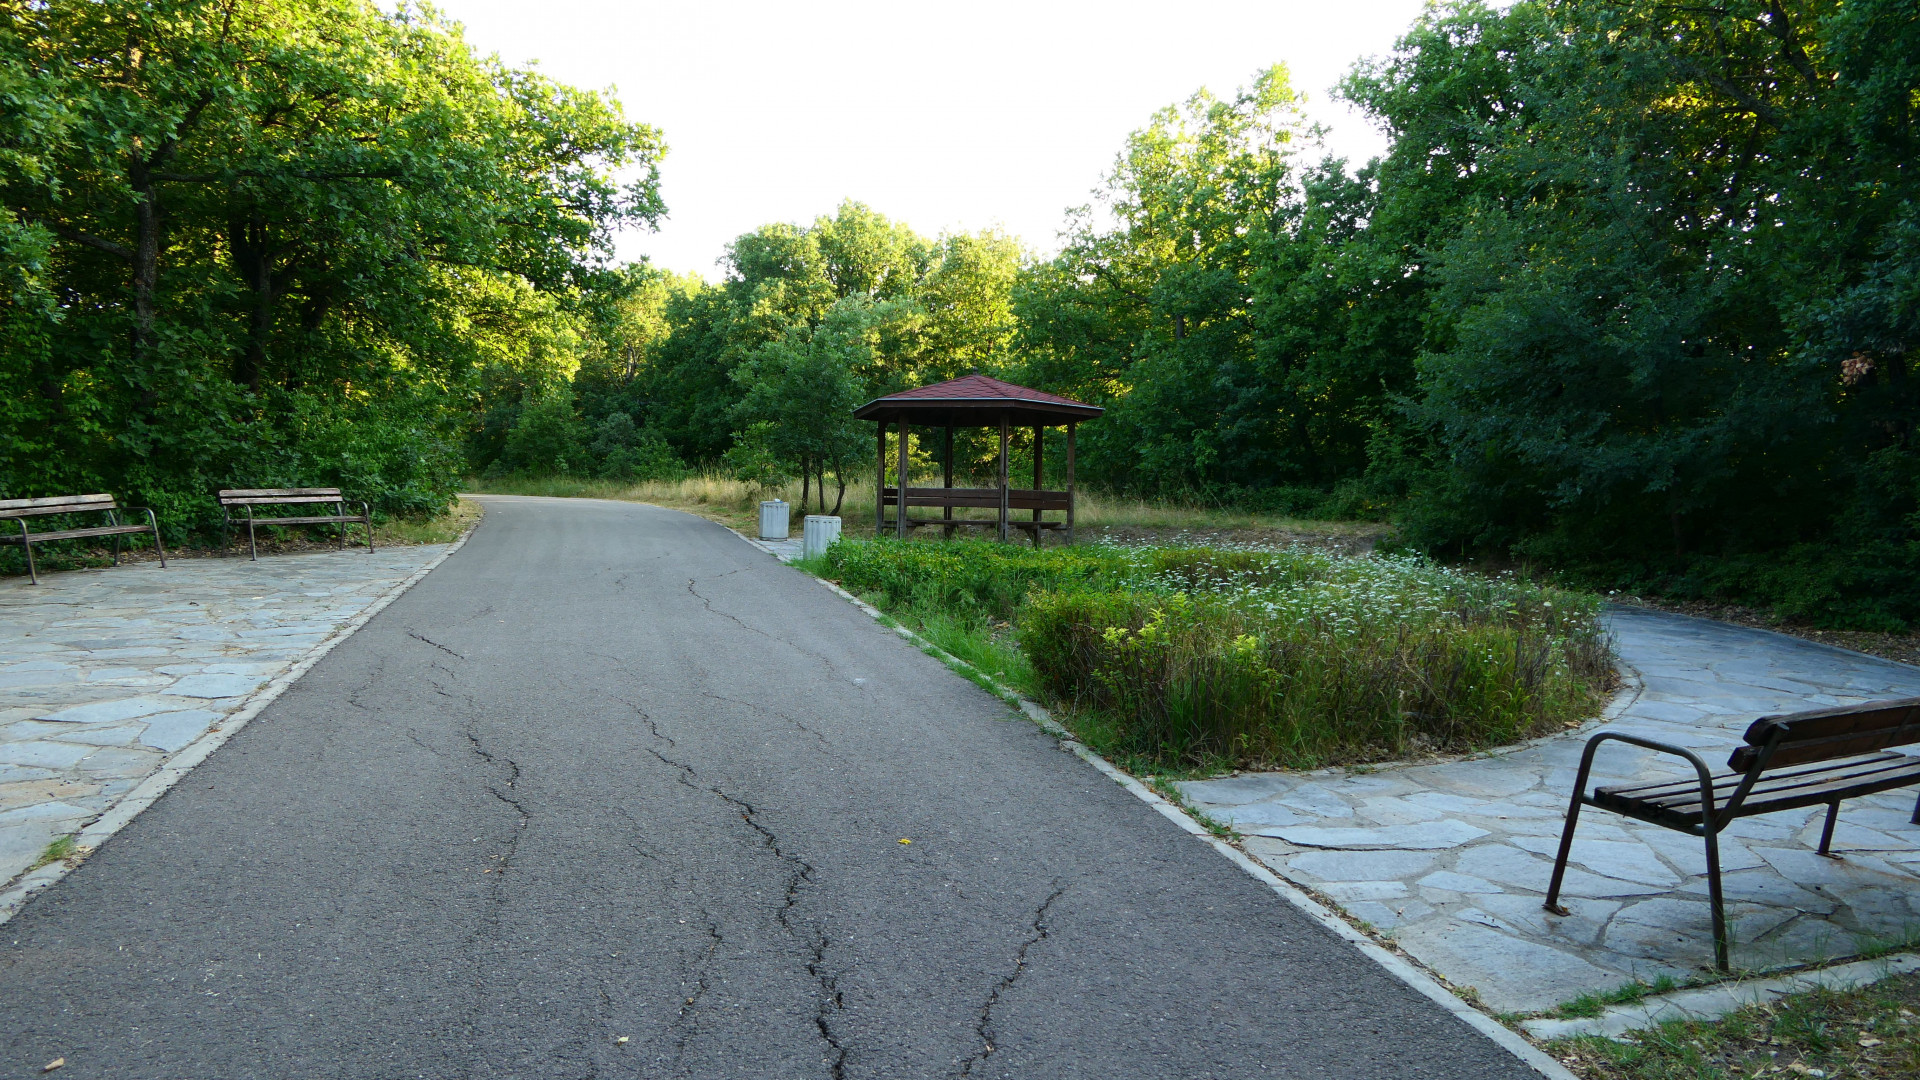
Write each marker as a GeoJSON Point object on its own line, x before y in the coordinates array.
{"type": "Point", "coordinates": [1630, 296]}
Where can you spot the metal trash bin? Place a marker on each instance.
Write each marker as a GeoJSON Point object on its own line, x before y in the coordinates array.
{"type": "Point", "coordinates": [818, 533]}
{"type": "Point", "coordinates": [773, 520]}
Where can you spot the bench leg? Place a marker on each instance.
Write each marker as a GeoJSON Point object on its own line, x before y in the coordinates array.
{"type": "Point", "coordinates": [253, 549]}
{"type": "Point", "coordinates": [1553, 904]}
{"type": "Point", "coordinates": [1826, 834]}
{"type": "Point", "coordinates": [154, 524]}
{"type": "Point", "coordinates": [1720, 943]}
{"type": "Point", "coordinates": [33, 575]}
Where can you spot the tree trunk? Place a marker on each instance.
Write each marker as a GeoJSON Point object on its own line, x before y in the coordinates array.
{"type": "Point", "coordinates": [247, 245]}
{"type": "Point", "coordinates": [146, 275]}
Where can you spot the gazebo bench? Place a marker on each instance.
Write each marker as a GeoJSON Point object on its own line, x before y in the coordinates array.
{"type": "Point", "coordinates": [235, 498]}
{"type": "Point", "coordinates": [1815, 758]}
{"type": "Point", "coordinates": [981, 499]}
{"type": "Point", "coordinates": [19, 510]}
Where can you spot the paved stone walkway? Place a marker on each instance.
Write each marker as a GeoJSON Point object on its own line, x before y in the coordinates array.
{"type": "Point", "coordinates": [105, 674]}
{"type": "Point", "coordinates": [1452, 859]}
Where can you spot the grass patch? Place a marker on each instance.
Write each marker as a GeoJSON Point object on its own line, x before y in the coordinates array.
{"type": "Point", "coordinates": [1190, 660]}
{"type": "Point", "coordinates": [1590, 1005]}
{"type": "Point", "coordinates": [438, 529]}
{"type": "Point", "coordinates": [62, 847]}
{"type": "Point", "coordinates": [1872, 1033]}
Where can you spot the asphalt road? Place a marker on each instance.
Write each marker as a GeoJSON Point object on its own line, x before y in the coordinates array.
{"type": "Point", "coordinates": [611, 793]}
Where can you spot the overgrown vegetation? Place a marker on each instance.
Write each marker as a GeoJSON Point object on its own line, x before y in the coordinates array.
{"type": "Point", "coordinates": [1868, 1034]}
{"type": "Point", "coordinates": [1192, 657]}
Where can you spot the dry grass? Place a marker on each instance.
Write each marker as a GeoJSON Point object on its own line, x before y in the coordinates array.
{"type": "Point", "coordinates": [1097, 516]}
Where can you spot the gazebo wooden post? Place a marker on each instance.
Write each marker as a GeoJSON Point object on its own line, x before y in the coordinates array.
{"type": "Point", "coordinates": [1070, 427]}
{"type": "Point", "coordinates": [900, 510]}
{"type": "Point", "coordinates": [880, 486]}
{"type": "Point", "coordinates": [946, 512]}
{"type": "Point", "coordinates": [1003, 477]}
{"type": "Point", "coordinates": [1038, 477]}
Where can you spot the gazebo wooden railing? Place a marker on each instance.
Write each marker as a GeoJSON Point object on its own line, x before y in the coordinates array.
{"type": "Point", "coordinates": [975, 401]}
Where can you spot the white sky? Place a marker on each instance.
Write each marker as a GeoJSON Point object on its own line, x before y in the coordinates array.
{"type": "Point", "coordinates": [945, 116]}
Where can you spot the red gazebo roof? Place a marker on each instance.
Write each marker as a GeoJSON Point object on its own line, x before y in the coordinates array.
{"type": "Point", "coordinates": [976, 401]}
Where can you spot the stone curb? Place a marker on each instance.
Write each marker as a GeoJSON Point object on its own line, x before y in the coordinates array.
{"type": "Point", "coordinates": [1395, 965]}
{"type": "Point", "coordinates": [148, 791]}
{"type": "Point", "coordinates": [1714, 1002]}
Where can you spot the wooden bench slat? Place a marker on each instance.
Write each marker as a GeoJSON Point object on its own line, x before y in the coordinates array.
{"type": "Point", "coordinates": [1896, 770]}
{"type": "Point", "coordinates": [1655, 789]}
{"type": "Point", "coordinates": [314, 519]}
{"type": "Point", "coordinates": [978, 523]}
{"type": "Point", "coordinates": [283, 500]}
{"type": "Point", "coordinates": [74, 534]}
{"type": "Point", "coordinates": [226, 493]}
{"type": "Point", "coordinates": [76, 504]}
{"type": "Point", "coordinates": [1825, 734]}
{"type": "Point", "coordinates": [1842, 720]}
{"type": "Point", "coordinates": [50, 500]}
{"type": "Point", "coordinates": [980, 498]}
{"type": "Point", "coordinates": [1771, 782]}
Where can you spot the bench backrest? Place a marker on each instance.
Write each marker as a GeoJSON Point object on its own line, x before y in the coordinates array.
{"type": "Point", "coordinates": [57, 504]}
{"type": "Point", "coordinates": [270, 496]}
{"type": "Point", "coordinates": [1825, 734]}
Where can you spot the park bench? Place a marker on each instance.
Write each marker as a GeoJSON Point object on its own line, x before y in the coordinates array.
{"type": "Point", "coordinates": [1815, 758]}
{"type": "Point", "coordinates": [19, 510]}
{"type": "Point", "coordinates": [232, 499]}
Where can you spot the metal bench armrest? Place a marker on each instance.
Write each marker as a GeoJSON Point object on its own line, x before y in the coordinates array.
{"type": "Point", "coordinates": [1699, 767]}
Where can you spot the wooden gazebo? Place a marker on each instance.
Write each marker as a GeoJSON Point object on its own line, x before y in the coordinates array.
{"type": "Point", "coordinates": [974, 401]}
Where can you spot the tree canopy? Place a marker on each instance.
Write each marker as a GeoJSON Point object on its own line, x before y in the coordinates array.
{"type": "Point", "coordinates": [1633, 292]}
{"type": "Point", "coordinates": [251, 241]}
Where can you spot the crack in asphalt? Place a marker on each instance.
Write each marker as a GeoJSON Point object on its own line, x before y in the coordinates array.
{"type": "Point", "coordinates": [771, 710]}
{"type": "Point", "coordinates": [496, 900]}
{"type": "Point", "coordinates": [683, 1023]}
{"type": "Point", "coordinates": [802, 874]}
{"type": "Point", "coordinates": [730, 617]}
{"type": "Point", "coordinates": [418, 636]}
{"type": "Point", "coordinates": [985, 1027]}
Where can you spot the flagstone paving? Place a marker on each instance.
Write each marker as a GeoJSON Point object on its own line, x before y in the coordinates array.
{"type": "Point", "coordinates": [1452, 859]}
{"type": "Point", "coordinates": [105, 674]}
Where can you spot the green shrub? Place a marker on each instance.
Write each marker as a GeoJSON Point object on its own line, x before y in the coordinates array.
{"type": "Point", "coordinates": [1202, 657]}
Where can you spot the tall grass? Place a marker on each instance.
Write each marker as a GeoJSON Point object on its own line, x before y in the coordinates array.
{"type": "Point", "coordinates": [735, 502]}
{"type": "Point", "coordinates": [1198, 657]}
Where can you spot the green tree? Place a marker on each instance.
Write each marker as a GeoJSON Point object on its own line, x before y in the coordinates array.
{"type": "Point", "coordinates": [803, 389]}
{"type": "Point", "coordinates": [275, 225]}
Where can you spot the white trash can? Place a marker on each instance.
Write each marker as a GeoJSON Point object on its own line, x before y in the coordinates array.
{"type": "Point", "coordinates": [818, 533]}
{"type": "Point", "coordinates": [773, 520]}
